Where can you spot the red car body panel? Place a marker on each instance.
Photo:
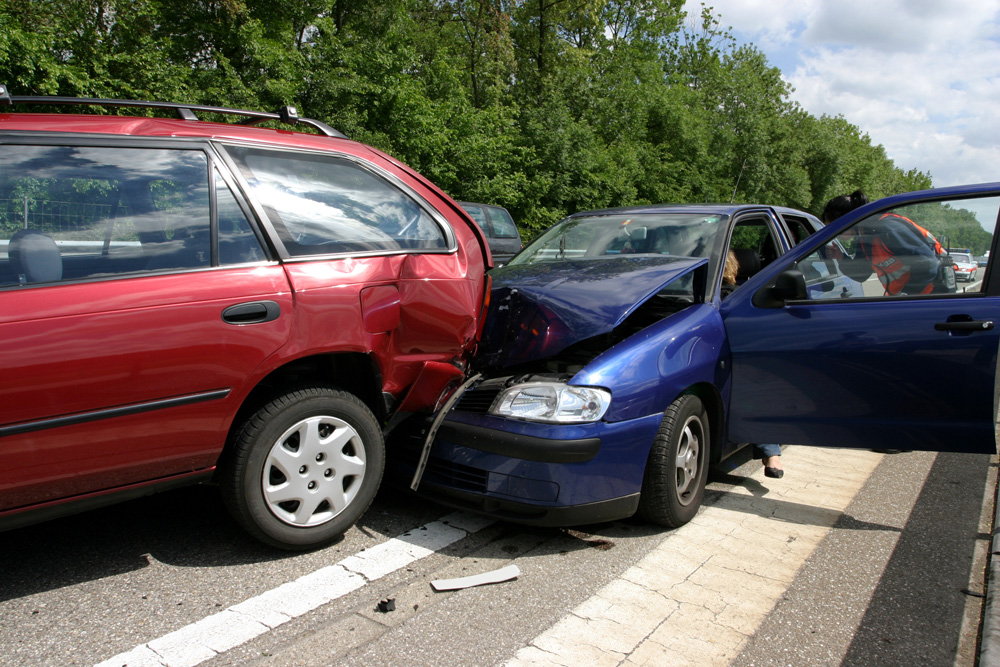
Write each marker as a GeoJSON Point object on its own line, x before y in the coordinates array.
{"type": "Point", "coordinates": [98, 346]}
{"type": "Point", "coordinates": [437, 321]}
{"type": "Point", "coordinates": [124, 381]}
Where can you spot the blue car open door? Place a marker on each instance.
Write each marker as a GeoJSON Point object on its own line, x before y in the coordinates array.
{"type": "Point", "coordinates": [860, 337]}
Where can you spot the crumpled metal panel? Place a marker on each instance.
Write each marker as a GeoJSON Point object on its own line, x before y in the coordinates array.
{"type": "Point", "coordinates": [538, 310]}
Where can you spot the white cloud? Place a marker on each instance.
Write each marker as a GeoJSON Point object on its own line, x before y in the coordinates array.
{"type": "Point", "coordinates": [773, 23]}
{"type": "Point", "coordinates": [906, 26]}
{"type": "Point", "coordinates": [921, 77]}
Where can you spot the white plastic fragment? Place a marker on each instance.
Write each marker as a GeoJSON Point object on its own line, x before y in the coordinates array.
{"type": "Point", "coordinates": [494, 577]}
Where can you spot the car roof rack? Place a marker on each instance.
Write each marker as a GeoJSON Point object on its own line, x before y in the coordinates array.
{"type": "Point", "coordinates": [287, 114]}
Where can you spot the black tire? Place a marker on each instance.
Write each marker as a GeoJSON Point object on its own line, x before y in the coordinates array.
{"type": "Point", "coordinates": [303, 468]}
{"type": "Point", "coordinates": [677, 470]}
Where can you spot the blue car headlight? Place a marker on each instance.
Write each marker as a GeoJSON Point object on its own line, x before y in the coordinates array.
{"type": "Point", "coordinates": [552, 402]}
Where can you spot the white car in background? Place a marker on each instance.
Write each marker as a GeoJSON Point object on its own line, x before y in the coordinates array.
{"type": "Point", "coordinates": [966, 266]}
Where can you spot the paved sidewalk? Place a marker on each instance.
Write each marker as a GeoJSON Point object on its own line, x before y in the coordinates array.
{"type": "Point", "coordinates": [805, 570]}
{"type": "Point", "coordinates": [699, 596]}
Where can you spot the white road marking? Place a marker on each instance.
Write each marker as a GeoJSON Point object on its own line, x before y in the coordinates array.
{"type": "Point", "coordinates": [205, 639]}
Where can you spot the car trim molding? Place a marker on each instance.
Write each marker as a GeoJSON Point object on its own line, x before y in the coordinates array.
{"type": "Point", "coordinates": [111, 413]}
{"type": "Point", "coordinates": [19, 517]}
{"type": "Point", "coordinates": [520, 446]}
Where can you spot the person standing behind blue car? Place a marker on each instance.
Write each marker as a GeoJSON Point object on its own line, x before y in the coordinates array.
{"type": "Point", "coordinates": [842, 205]}
{"type": "Point", "coordinates": [905, 257]}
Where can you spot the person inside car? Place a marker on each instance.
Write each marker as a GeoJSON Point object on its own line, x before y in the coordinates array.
{"type": "Point", "coordinates": [729, 272]}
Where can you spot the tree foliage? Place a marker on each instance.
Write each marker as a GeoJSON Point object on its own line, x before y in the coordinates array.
{"type": "Point", "coordinates": [543, 106]}
{"type": "Point", "coordinates": [953, 227]}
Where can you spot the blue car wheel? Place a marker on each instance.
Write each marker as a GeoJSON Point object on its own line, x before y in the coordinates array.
{"type": "Point", "coordinates": [674, 481]}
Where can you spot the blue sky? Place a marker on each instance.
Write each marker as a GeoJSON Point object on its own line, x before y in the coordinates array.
{"type": "Point", "coordinates": [920, 77]}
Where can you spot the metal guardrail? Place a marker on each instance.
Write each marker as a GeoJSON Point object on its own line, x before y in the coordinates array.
{"type": "Point", "coordinates": [53, 215]}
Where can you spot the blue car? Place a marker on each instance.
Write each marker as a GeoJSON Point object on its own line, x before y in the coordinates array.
{"type": "Point", "coordinates": [620, 359]}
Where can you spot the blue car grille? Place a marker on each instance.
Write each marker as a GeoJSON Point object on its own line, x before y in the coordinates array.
{"type": "Point", "coordinates": [441, 471]}
{"type": "Point", "coordinates": [457, 475]}
{"type": "Point", "coordinates": [477, 400]}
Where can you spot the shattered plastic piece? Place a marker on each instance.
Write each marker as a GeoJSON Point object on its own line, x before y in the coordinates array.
{"type": "Point", "coordinates": [494, 577]}
{"type": "Point", "coordinates": [387, 605]}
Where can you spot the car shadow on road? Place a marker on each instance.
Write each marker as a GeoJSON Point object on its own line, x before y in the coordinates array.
{"type": "Point", "coordinates": [903, 598]}
{"type": "Point", "coordinates": [772, 507]}
{"type": "Point", "coordinates": [186, 527]}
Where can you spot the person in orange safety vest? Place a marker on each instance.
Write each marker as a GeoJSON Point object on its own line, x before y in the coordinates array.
{"type": "Point", "coordinates": [905, 256]}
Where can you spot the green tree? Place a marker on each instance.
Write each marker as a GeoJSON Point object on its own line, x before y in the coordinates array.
{"type": "Point", "coordinates": [544, 106]}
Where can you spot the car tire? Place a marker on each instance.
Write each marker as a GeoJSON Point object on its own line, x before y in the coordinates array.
{"type": "Point", "coordinates": [294, 495]}
{"type": "Point", "coordinates": [677, 469]}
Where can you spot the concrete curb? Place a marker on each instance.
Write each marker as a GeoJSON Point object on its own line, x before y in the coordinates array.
{"type": "Point", "coordinates": [989, 652]}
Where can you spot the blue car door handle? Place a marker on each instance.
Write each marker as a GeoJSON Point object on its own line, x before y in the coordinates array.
{"type": "Point", "coordinates": [967, 325]}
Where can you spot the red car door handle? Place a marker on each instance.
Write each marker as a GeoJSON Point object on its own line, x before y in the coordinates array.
{"type": "Point", "coordinates": [968, 325]}
{"type": "Point", "coordinates": [253, 312]}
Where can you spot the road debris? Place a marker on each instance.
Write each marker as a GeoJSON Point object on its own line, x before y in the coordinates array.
{"type": "Point", "coordinates": [494, 577]}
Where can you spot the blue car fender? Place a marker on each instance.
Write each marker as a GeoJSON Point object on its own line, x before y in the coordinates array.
{"type": "Point", "coordinates": [648, 370]}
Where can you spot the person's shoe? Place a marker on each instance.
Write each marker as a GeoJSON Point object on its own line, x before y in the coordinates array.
{"type": "Point", "coordinates": [773, 472]}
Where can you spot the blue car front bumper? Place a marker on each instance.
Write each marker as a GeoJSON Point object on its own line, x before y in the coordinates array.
{"type": "Point", "coordinates": [540, 474]}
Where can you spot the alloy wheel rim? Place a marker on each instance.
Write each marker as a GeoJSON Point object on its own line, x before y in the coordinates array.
{"type": "Point", "coordinates": [688, 461]}
{"type": "Point", "coordinates": [313, 471]}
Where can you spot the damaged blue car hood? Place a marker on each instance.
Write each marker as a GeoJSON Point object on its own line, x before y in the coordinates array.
{"type": "Point", "coordinates": [538, 310]}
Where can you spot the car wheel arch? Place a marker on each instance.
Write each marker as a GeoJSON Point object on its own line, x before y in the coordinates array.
{"type": "Point", "coordinates": [352, 372]}
{"type": "Point", "coordinates": [676, 471]}
{"type": "Point", "coordinates": [712, 401]}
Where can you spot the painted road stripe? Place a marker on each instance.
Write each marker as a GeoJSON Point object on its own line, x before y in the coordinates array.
{"type": "Point", "coordinates": [205, 639]}
{"type": "Point", "coordinates": [703, 592]}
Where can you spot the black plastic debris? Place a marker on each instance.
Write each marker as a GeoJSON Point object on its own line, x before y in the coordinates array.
{"type": "Point", "coordinates": [387, 605]}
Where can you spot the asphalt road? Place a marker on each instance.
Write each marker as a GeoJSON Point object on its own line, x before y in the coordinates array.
{"type": "Point", "coordinates": [852, 558]}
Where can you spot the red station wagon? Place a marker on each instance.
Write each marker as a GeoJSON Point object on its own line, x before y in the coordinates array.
{"type": "Point", "coordinates": [187, 301]}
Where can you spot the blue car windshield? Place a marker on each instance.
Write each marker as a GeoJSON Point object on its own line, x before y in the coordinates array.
{"type": "Point", "coordinates": [677, 234]}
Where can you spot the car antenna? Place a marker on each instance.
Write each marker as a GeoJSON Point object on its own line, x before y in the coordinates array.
{"type": "Point", "coordinates": [733, 199]}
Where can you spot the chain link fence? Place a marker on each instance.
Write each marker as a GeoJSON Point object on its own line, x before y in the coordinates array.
{"type": "Point", "coordinates": [64, 219]}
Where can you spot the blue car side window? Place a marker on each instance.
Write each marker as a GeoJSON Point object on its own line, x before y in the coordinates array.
{"type": "Point", "coordinates": [906, 251]}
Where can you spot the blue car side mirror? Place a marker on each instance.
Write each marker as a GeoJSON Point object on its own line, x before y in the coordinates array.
{"type": "Point", "coordinates": [790, 285]}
